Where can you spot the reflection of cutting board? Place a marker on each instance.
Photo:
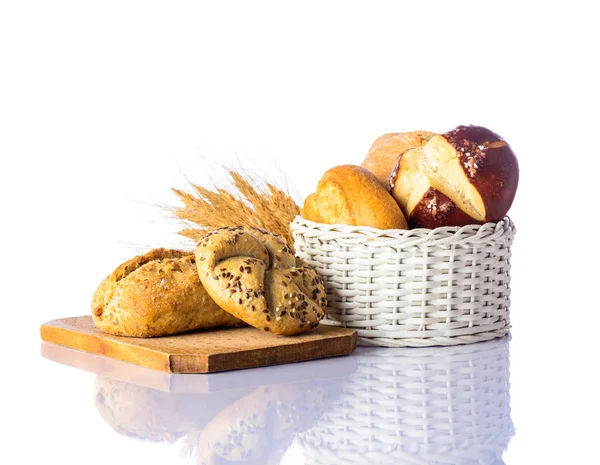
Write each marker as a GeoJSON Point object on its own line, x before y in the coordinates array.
{"type": "Point", "coordinates": [201, 383]}
{"type": "Point", "coordinates": [202, 351]}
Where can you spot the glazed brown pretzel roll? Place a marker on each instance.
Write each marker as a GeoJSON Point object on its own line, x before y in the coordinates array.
{"type": "Point", "coordinates": [466, 176]}
{"type": "Point", "coordinates": [423, 205]}
{"type": "Point", "coordinates": [474, 167]}
{"type": "Point", "coordinates": [156, 294]}
{"type": "Point", "coordinates": [254, 275]}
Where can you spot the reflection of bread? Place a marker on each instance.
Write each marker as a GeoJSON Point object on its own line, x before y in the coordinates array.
{"type": "Point", "coordinates": [259, 428]}
{"type": "Point", "coordinates": [352, 195]}
{"type": "Point", "coordinates": [156, 294]}
{"type": "Point", "coordinates": [154, 415]}
{"type": "Point", "coordinates": [253, 274]}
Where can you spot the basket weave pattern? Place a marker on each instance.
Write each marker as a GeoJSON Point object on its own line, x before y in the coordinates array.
{"type": "Point", "coordinates": [421, 287]}
{"type": "Point", "coordinates": [444, 405]}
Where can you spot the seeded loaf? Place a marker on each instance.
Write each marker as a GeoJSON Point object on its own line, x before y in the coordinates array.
{"type": "Point", "coordinates": [156, 294]}
{"type": "Point", "coordinates": [254, 275]}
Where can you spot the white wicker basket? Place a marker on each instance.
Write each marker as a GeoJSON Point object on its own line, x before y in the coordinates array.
{"type": "Point", "coordinates": [435, 405]}
{"type": "Point", "coordinates": [421, 287]}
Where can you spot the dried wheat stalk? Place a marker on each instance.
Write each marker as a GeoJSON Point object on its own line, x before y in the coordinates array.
{"type": "Point", "coordinates": [248, 199]}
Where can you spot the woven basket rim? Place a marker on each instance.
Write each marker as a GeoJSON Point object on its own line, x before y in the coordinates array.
{"type": "Point", "coordinates": [448, 231]}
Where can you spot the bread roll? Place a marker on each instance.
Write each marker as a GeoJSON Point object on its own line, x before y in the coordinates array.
{"type": "Point", "coordinates": [393, 159]}
{"type": "Point", "coordinates": [352, 195]}
{"type": "Point", "coordinates": [475, 168]}
{"type": "Point", "coordinates": [423, 205]}
{"type": "Point", "coordinates": [156, 294]}
{"type": "Point", "coordinates": [254, 275]}
{"type": "Point", "coordinates": [465, 176]}
{"type": "Point", "coordinates": [383, 154]}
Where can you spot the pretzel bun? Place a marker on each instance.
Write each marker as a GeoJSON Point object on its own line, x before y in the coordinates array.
{"type": "Point", "coordinates": [352, 195]}
{"type": "Point", "coordinates": [466, 176]}
{"type": "Point", "coordinates": [423, 205]}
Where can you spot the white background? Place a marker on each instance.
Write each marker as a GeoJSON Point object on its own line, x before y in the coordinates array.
{"type": "Point", "coordinates": [104, 106]}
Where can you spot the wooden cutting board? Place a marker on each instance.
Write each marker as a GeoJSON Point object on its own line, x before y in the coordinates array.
{"type": "Point", "coordinates": [202, 383]}
{"type": "Point", "coordinates": [202, 351]}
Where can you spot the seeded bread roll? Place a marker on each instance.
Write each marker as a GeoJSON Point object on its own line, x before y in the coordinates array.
{"type": "Point", "coordinates": [156, 294]}
{"type": "Point", "coordinates": [352, 195]}
{"type": "Point", "coordinates": [254, 275]}
{"type": "Point", "coordinates": [383, 154]}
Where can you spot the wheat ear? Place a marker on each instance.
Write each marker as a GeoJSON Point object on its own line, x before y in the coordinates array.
{"type": "Point", "coordinates": [247, 198]}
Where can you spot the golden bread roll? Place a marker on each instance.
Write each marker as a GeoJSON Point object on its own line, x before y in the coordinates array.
{"type": "Point", "coordinates": [352, 195]}
{"type": "Point", "coordinates": [254, 275]}
{"type": "Point", "coordinates": [383, 154]}
{"type": "Point", "coordinates": [156, 294]}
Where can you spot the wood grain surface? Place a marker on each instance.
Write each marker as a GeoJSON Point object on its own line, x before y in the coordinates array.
{"type": "Point", "coordinates": [202, 351]}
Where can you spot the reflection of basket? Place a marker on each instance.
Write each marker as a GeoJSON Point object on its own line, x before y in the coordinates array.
{"type": "Point", "coordinates": [421, 287]}
{"type": "Point", "coordinates": [424, 406]}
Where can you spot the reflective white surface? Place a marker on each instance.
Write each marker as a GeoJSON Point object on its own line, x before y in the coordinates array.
{"type": "Point", "coordinates": [379, 406]}
{"type": "Point", "coordinates": [104, 107]}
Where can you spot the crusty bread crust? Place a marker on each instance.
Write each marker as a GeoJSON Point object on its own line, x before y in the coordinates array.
{"type": "Point", "coordinates": [350, 194]}
{"type": "Point", "coordinates": [254, 275]}
{"type": "Point", "coordinates": [383, 154]}
{"type": "Point", "coordinates": [156, 294]}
